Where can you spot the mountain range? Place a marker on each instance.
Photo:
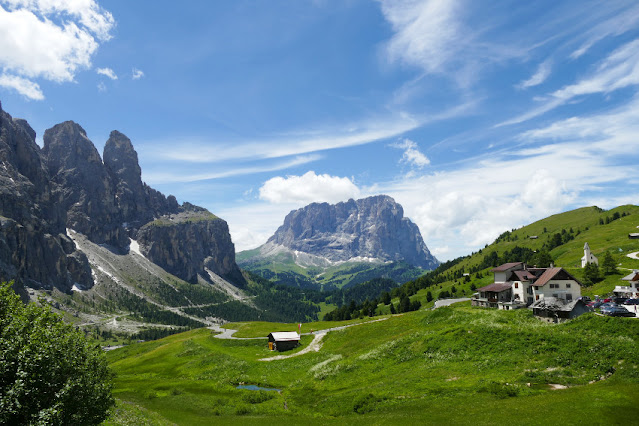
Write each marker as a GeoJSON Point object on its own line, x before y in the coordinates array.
{"type": "Point", "coordinates": [83, 232]}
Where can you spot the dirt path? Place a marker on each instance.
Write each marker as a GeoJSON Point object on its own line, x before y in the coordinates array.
{"type": "Point", "coordinates": [316, 344]}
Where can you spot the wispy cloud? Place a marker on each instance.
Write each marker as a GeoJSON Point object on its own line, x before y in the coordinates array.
{"type": "Point", "coordinates": [102, 87]}
{"type": "Point", "coordinates": [49, 39]}
{"type": "Point", "coordinates": [618, 70]}
{"type": "Point", "coordinates": [622, 20]}
{"type": "Point", "coordinates": [542, 73]}
{"type": "Point", "coordinates": [303, 143]}
{"type": "Point", "coordinates": [108, 72]}
{"type": "Point", "coordinates": [165, 177]}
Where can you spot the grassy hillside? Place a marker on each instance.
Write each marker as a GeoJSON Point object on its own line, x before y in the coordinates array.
{"type": "Point", "coordinates": [575, 228]}
{"type": "Point", "coordinates": [452, 365]}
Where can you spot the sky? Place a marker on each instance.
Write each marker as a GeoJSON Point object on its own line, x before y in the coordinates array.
{"type": "Point", "coordinates": [476, 116]}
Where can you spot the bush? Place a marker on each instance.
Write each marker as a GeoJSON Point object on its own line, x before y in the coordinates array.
{"type": "Point", "coordinates": [49, 374]}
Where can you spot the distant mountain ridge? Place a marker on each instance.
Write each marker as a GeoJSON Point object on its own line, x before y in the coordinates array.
{"type": "Point", "coordinates": [319, 236]}
{"type": "Point", "coordinates": [372, 228]}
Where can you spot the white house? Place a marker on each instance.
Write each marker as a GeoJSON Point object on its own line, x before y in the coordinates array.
{"type": "Point", "coordinates": [631, 290]}
{"type": "Point", "coordinates": [517, 286]}
{"type": "Point", "coordinates": [588, 257]}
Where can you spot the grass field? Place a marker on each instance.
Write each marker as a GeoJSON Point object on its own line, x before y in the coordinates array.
{"type": "Point", "coordinates": [458, 365]}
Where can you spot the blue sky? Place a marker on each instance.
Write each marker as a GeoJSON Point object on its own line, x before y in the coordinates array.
{"type": "Point", "coordinates": [477, 117]}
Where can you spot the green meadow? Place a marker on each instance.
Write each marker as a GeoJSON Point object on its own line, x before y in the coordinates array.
{"type": "Point", "coordinates": [458, 365]}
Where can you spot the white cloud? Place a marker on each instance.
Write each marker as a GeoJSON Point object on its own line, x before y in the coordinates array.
{"type": "Point", "coordinates": [412, 155]}
{"type": "Point", "coordinates": [25, 87]}
{"type": "Point", "coordinates": [107, 72]}
{"type": "Point", "coordinates": [50, 39]}
{"type": "Point", "coordinates": [542, 73]}
{"type": "Point", "coordinates": [308, 188]}
{"type": "Point", "coordinates": [137, 74]}
{"type": "Point", "coordinates": [102, 87]}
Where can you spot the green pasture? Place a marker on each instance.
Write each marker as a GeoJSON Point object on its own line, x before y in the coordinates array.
{"type": "Point", "coordinates": [452, 365]}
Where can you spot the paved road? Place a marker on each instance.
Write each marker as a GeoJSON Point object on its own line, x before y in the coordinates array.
{"type": "Point", "coordinates": [445, 302]}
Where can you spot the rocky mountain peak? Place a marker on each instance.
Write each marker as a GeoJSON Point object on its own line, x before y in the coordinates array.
{"type": "Point", "coordinates": [373, 228]}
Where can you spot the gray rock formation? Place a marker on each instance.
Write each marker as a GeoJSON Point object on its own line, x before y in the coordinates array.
{"type": "Point", "coordinates": [137, 202]}
{"type": "Point", "coordinates": [373, 228]}
{"type": "Point", "coordinates": [85, 189]}
{"type": "Point", "coordinates": [33, 246]}
{"type": "Point", "coordinates": [66, 185]}
{"type": "Point", "coordinates": [188, 243]}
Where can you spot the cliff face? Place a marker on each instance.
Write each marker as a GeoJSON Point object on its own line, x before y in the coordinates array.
{"type": "Point", "coordinates": [33, 246]}
{"type": "Point", "coordinates": [66, 185]}
{"type": "Point", "coordinates": [84, 188]}
{"type": "Point", "coordinates": [373, 228]}
{"type": "Point", "coordinates": [188, 243]}
{"type": "Point", "coordinates": [137, 202]}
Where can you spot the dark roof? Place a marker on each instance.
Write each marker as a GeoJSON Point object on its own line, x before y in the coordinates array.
{"type": "Point", "coordinates": [524, 275]}
{"type": "Point", "coordinates": [551, 273]}
{"type": "Point", "coordinates": [634, 276]}
{"type": "Point", "coordinates": [555, 304]}
{"type": "Point", "coordinates": [496, 287]}
{"type": "Point", "coordinates": [506, 266]}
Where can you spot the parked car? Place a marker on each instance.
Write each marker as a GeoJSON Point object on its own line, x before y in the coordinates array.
{"type": "Point", "coordinates": [607, 305]}
{"type": "Point", "coordinates": [607, 300]}
{"type": "Point", "coordinates": [595, 304]}
{"type": "Point", "coordinates": [586, 299]}
{"type": "Point", "coordinates": [616, 311]}
{"type": "Point", "coordinates": [619, 300]}
{"type": "Point", "coordinates": [631, 302]}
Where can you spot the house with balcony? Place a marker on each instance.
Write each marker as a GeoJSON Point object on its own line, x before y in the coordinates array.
{"type": "Point", "coordinates": [517, 286]}
{"type": "Point", "coordinates": [632, 289]}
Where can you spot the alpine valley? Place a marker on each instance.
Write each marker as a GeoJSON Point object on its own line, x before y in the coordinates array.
{"type": "Point", "coordinates": [84, 234]}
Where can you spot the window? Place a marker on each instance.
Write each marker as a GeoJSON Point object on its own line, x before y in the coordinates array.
{"type": "Point", "coordinates": [537, 297]}
{"type": "Point", "coordinates": [516, 285]}
{"type": "Point", "coordinates": [568, 297]}
{"type": "Point", "coordinates": [554, 285]}
{"type": "Point", "coordinates": [567, 285]}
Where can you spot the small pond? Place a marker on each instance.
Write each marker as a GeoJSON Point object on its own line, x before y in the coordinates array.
{"type": "Point", "coordinates": [256, 388]}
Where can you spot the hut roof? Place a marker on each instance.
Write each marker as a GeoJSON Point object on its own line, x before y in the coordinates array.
{"type": "Point", "coordinates": [284, 336]}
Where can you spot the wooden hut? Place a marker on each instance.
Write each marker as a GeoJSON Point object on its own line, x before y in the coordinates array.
{"type": "Point", "coordinates": [283, 340]}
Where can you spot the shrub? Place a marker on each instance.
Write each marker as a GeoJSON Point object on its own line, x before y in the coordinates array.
{"type": "Point", "coordinates": [49, 374]}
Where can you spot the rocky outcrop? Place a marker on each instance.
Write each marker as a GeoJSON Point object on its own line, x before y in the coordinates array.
{"type": "Point", "coordinates": [33, 246]}
{"type": "Point", "coordinates": [188, 243]}
{"type": "Point", "coordinates": [84, 188]}
{"type": "Point", "coordinates": [137, 202]}
{"type": "Point", "coordinates": [371, 228]}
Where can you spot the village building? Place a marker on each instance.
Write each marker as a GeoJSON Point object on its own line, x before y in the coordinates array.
{"type": "Point", "coordinates": [556, 310]}
{"type": "Point", "coordinates": [632, 289]}
{"type": "Point", "coordinates": [283, 340]}
{"type": "Point", "coordinates": [517, 286]}
{"type": "Point", "coordinates": [588, 257]}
